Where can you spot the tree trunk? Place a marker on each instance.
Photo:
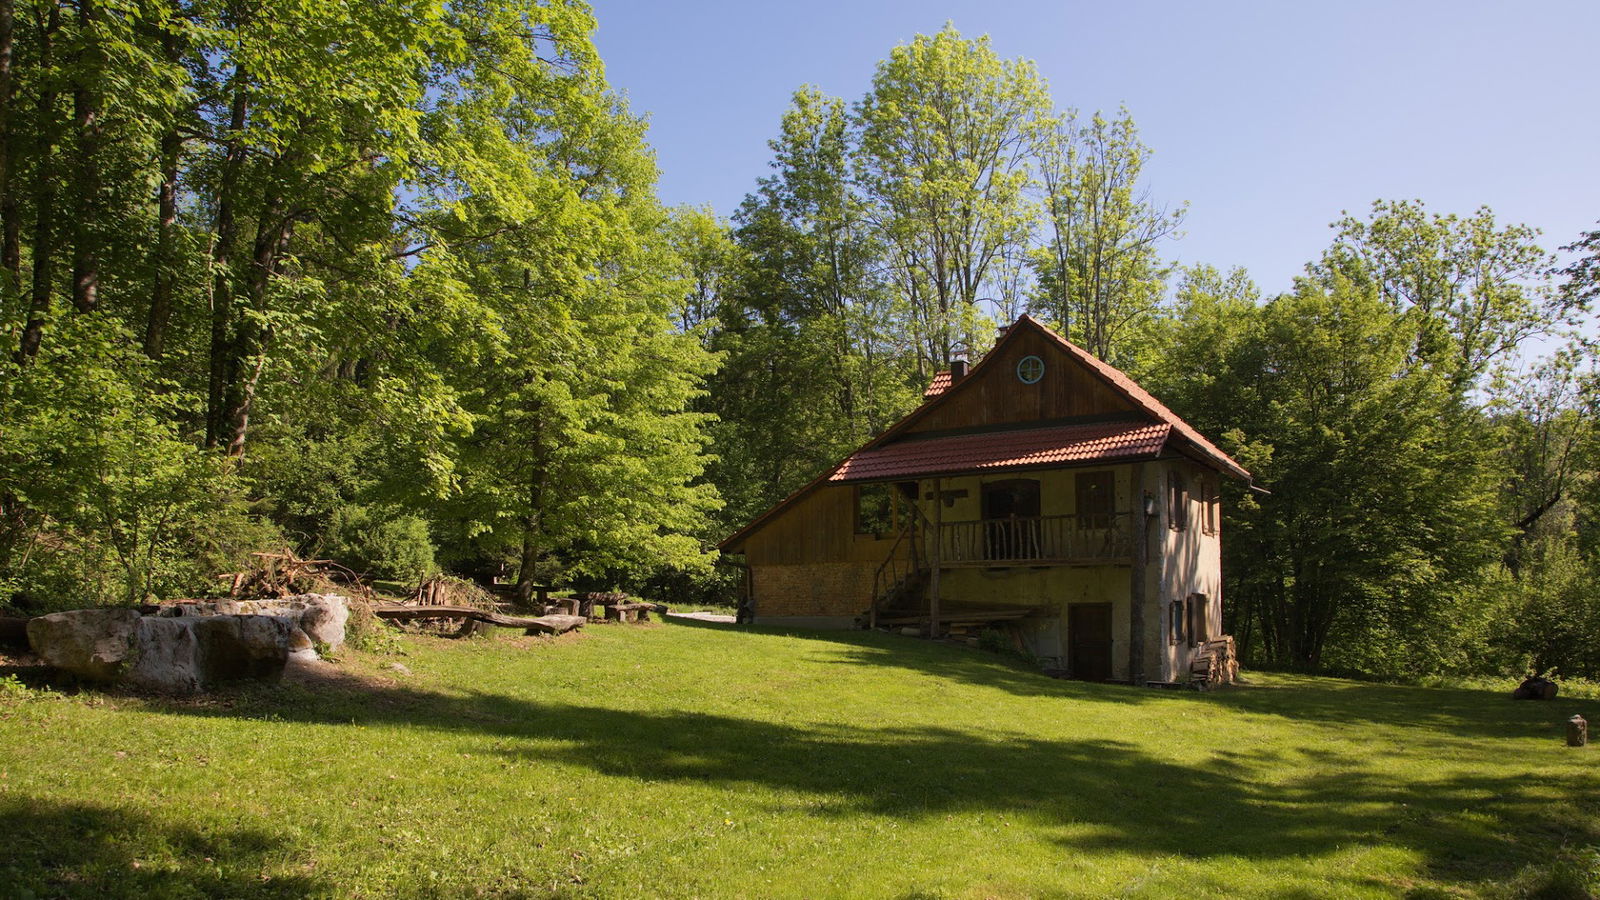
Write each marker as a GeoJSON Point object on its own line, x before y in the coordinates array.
{"type": "Point", "coordinates": [273, 232]}
{"type": "Point", "coordinates": [155, 333]}
{"type": "Point", "coordinates": [44, 197]}
{"type": "Point", "coordinates": [10, 227]}
{"type": "Point", "coordinates": [86, 112]}
{"type": "Point", "coordinates": [221, 265]}
{"type": "Point", "coordinates": [532, 549]}
{"type": "Point", "coordinates": [528, 562]}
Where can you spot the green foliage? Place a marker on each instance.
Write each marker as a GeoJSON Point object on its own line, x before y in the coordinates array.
{"type": "Point", "coordinates": [1573, 875]}
{"type": "Point", "coordinates": [948, 137]}
{"type": "Point", "coordinates": [1581, 285]}
{"type": "Point", "coordinates": [1471, 291]}
{"type": "Point", "coordinates": [366, 274]}
{"type": "Point", "coordinates": [381, 543]}
{"type": "Point", "coordinates": [367, 633]}
{"type": "Point", "coordinates": [1100, 280]}
{"type": "Point", "coordinates": [1381, 511]}
{"type": "Point", "coordinates": [106, 502]}
{"type": "Point", "coordinates": [12, 689]}
{"type": "Point", "coordinates": [805, 323]}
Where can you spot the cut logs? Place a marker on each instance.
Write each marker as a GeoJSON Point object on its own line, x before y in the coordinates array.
{"type": "Point", "coordinates": [538, 625]}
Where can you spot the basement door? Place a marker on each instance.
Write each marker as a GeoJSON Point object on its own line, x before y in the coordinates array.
{"type": "Point", "coordinates": [1089, 641]}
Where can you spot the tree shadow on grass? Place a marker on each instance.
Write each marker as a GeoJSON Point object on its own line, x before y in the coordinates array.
{"type": "Point", "coordinates": [1459, 713]}
{"type": "Point", "coordinates": [51, 849]}
{"type": "Point", "coordinates": [966, 664]}
{"type": "Point", "coordinates": [1325, 701]}
{"type": "Point", "coordinates": [1087, 795]}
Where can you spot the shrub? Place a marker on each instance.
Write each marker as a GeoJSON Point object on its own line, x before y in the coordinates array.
{"type": "Point", "coordinates": [382, 543]}
{"type": "Point", "coordinates": [104, 499]}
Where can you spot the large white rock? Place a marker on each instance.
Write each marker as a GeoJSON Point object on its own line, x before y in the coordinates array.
{"type": "Point", "coordinates": [93, 644]}
{"type": "Point", "coordinates": [234, 647]}
{"type": "Point", "coordinates": [325, 618]}
{"type": "Point", "coordinates": [322, 617]}
{"type": "Point", "coordinates": [167, 654]}
{"type": "Point", "coordinates": [167, 657]}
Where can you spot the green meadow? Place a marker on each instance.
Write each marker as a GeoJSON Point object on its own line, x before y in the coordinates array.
{"type": "Point", "coordinates": [683, 760]}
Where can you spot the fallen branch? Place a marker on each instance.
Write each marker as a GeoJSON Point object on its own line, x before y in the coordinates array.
{"type": "Point", "coordinates": [540, 625]}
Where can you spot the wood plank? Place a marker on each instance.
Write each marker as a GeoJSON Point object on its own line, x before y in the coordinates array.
{"type": "Point", "coordinates": [541, 624]}
{"type": "Point", "coordinates": [1037, 563]}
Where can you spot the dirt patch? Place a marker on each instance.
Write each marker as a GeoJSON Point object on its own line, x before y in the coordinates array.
{"type": "Point", "coordinates": [26, 667]}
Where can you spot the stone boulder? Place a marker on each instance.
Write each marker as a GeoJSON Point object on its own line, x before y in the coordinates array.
{"type": "Point", "coordinates": [93, 644]}
{"type": "Point", "coordinates": [167, 654]}
{"type": "Point", "coordinates": [325, 618]}
{"type": "Point", "coordinates": [168, 657]}
{"type": "Point", "coordinates": [237, 647]}
{"type": "Point", "coordinates": [322, 617]}
{"type": "Point", "coordinates": [1535, 687]}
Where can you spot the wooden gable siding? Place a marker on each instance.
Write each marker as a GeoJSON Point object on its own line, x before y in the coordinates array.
{"type": "Point", "coordinates": [817, 527]}
{"type": "Point", "coordinates": [993, 395]}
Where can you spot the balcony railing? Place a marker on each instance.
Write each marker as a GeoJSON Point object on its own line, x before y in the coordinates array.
{"type": "Point", "coordinates": [1037, 540]}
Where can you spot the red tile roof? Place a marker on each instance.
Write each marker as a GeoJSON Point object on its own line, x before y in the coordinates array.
{"type": "Point", "coordinates": [989, 451]}
{"type": "Point", "coordinates": [1172, 427]}
{"type": "Point", "coordinates": [1141, 397]}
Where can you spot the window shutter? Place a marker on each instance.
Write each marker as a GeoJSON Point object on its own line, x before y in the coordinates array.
{"type": "Point", "coordinates": [1199, 620]}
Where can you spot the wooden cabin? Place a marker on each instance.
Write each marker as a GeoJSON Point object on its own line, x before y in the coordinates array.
{"type": "Point", "coordinates": [1042, 493]}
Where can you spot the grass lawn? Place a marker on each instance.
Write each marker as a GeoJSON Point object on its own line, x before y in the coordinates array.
{"type": "Point", "coordinates": [686, 760]}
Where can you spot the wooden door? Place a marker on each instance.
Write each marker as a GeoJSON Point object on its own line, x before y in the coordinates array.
{"type": "Point", "coordinates": [1011, 519]}
{"type": "Point", "coordinates": [1089, 641]}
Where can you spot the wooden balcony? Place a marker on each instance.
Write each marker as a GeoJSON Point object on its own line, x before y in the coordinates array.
{"type": "Point", "coordinates": [1092, 540]}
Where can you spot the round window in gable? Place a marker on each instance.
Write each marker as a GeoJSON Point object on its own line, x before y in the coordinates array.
{"type": "Point", "coordinates": [1030, 369]}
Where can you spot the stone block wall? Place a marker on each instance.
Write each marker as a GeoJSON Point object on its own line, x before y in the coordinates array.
{"type": "Point", "coordinates": [813, 589]}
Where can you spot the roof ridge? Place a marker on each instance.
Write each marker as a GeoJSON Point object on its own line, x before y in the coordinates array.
{"type": "Point", "coordinates": [1144, 398]}
{"type": "Point", "coordinates": [1111, 375]}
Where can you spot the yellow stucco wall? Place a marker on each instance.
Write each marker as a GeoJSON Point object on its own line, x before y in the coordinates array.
{"type": "Point", "coordinates": [1054, 588]}
{"type": "Point", "coordinates": [1057, 492]}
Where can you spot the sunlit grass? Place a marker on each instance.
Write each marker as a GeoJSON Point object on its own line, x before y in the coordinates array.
{"type": "Point", "coordinates": [682, 760]}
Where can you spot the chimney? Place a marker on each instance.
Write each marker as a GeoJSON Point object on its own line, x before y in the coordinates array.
{"type": "Point", "coordinates": [958, 369]}
{"type": "Point", "coordinates": [1000, 331]}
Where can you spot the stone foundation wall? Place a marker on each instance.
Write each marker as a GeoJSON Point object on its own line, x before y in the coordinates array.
{"type": "Point", "coordinates": [832, 589]}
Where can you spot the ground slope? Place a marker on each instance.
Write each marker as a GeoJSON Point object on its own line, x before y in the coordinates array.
{"type": "Point", "coordinates": [697, 760]}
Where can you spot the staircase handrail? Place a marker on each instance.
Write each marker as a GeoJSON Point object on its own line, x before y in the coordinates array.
{"type": "Point", "coordinates": [890, 572]}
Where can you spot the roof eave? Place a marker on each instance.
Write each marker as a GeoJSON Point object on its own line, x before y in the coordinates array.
{"type": "Point", "coordinates": [1020, 467]}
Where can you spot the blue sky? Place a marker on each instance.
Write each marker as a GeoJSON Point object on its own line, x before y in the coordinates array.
{"type": "Point", "coordinates": [1268, 118]}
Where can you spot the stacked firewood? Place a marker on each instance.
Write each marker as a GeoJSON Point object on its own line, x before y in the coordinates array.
{"type": "Point", "coordinates": [444, 590]}
{"type": "Point", "coordinates": [1215, 662]}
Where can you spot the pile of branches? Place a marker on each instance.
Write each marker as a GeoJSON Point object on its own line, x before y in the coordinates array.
{"type": "Point", "coordinates": [282, 573]}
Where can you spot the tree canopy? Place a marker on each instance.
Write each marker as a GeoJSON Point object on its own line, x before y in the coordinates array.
{"type": "Point", "coordinates": [394, 264]}
{"type": "Point", "coordinates": [391, 282]}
